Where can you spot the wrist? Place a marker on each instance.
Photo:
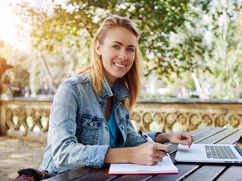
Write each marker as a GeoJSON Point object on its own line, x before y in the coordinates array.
{"type": "Point", "coordinates": [119, 155]}
{"type": "Point", "coordinates": [131, 152]}
{"type": "Point", "coordinates": [164, 137]}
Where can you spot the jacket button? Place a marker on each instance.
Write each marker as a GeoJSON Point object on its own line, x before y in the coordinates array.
{"type": "Point", "coordinates": [122, 127]}
{"type": "Point", "coordinates": [91, 124]}
{"type": "Point", "coordinates": [106, 127]}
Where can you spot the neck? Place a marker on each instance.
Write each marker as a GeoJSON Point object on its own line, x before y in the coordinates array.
{"type": "Point", "coordinates": [110, 80]}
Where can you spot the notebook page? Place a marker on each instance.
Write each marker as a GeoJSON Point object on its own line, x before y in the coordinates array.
{"type": "Point", "coordinates": [166, 166]}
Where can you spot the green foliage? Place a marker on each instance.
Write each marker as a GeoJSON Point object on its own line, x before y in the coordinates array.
{"type": "Point", "coordinates": [18, 76]}
{"type": "Point", "coordinates": [223, 55]}
{"type": "Point", "coordinates": [199, 36]}
{"type": "Point", "coordinates": [71, 26]}
{"type": "Point", "coordinates": [210, 41]}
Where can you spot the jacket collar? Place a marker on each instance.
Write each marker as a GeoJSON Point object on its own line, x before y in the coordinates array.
{"type": "Point", "coordinates": [119, 89]}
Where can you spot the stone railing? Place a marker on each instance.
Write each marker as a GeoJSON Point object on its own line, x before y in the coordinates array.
{"type": "Point", "coordinates": [25, 118]}
{"type": "Point", "coordinates": [30, 118]}
{"type": "Point", "coordinates": [171, 115]}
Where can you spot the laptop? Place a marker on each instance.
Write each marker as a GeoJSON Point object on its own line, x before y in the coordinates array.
{"type": "Point", "coordinates": [210, 153]}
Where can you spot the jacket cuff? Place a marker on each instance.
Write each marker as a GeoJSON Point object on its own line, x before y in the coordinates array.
{"type": "Point", "coordinates": [152, 135]}
{"type": "Point", "coordinates": [97, 155]}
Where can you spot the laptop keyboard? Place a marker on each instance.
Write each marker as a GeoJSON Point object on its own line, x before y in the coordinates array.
{"type": "Point", "coordinates": [219, 152]}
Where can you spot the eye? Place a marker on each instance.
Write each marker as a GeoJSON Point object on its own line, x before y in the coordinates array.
{"type": "Point", "coordinates": [115, 46]}
{"type": "Point", "coordinates": [130, 49]}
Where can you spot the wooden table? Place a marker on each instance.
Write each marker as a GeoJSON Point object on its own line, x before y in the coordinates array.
{"type": "Point", "coordinates": [187, 171]}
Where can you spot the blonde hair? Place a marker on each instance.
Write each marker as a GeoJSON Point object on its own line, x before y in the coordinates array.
{"type": "Point", "coordinates": [132, 78]}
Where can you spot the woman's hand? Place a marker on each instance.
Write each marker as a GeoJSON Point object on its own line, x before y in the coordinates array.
{"type": "Point", "coordinates": [148, 153]}
{"type": "Point", "coordinates": [182, 137]}
{"type": "Point", "coordinates": [145, 154]}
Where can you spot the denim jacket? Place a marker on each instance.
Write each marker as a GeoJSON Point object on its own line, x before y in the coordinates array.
{"type": "Point", "coordinates": [78, 133]}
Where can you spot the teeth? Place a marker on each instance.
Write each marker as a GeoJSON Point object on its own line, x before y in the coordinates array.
{"type": "Point", "coordinates": [118, 65]}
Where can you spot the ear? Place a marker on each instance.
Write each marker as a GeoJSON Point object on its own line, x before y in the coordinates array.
{"type": "Point", "coordinates": [98, 48]}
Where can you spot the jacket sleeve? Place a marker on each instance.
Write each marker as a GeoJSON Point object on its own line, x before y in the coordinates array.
{"type": "Point", "coordinates": [66, 151]}
{"type": "Point", "coordinates": [134, 139]}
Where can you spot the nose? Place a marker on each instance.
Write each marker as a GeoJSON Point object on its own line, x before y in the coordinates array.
{"type": "Point", "coordinates": [123, 54]}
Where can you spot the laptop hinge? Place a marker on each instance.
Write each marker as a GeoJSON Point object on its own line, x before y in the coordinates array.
{"type": "Point", "coordinates": [238, 149]}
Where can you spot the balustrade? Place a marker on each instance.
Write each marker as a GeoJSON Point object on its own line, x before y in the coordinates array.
{"type": "Point", "coordinates": [176, 115]}
{"type": "Point", "coordinates": [30, 118]}
{"type": "Point", "coordinates": [25, 118]}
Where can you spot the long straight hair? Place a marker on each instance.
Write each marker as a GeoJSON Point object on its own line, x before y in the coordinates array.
{"type": "Point", "coordinates": [132, 78]}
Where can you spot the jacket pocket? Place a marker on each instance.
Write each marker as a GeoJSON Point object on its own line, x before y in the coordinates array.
{"type": "Point", "coordinates": [88, 131]}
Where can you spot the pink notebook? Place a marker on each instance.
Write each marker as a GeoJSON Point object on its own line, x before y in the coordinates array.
{"type": "Point", "coordinates": [164, 167]}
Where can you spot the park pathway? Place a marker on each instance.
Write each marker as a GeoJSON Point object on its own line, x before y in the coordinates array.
{"type": "Point", "coordinates": [16, 154]}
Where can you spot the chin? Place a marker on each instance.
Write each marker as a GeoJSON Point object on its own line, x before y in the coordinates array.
{"type": "Point", "coordinates": [120, 76]}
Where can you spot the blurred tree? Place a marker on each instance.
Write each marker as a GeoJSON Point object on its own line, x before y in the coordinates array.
{"type": "Point", "coordinates": [71, 25]}
{"type": "Point", "coordinates": [174, 34]}
{"type": "Point", "coordinates": [28, 72]}
{"type": "Point", "coordinates": [18, 76]}
{"type": "Point", "coordinates": [226, 45]}
{"type": "Point", "coordinates": [212, 37]}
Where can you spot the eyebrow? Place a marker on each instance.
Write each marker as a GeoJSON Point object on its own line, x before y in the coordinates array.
{"type": "Point", "coordinates": [122, 44]}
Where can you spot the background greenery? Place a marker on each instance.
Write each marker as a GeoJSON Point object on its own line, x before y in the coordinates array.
{"type": "Point", "coordinates": [191, 48]}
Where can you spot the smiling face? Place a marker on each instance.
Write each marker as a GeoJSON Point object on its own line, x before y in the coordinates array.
{"type": "Point", "coordinates": [117, 52]}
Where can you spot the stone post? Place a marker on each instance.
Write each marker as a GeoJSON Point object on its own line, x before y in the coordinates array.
{"type": "Point", "coordinates": [3, 67]}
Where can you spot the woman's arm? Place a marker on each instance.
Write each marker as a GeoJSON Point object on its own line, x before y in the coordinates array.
{"type": "Point", "coordinates": [182, 137]}
{"type": "Point", "coordinates": [145, 154]}
{"type": "Point", "coordinates": [66, 150]}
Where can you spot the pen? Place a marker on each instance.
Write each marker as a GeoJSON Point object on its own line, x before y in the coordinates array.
{"type": "Point", "coordinates": [147, 138]}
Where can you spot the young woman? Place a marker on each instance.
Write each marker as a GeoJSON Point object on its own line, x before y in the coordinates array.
{"type": "Point", "coordinates": [89, 121]}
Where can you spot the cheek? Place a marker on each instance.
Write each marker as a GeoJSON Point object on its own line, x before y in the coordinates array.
{"type": "Point", "coordinates": [105, 59]}
{"type": "Point", "coordinates": [131, 58]}
{"type": "Point", "coordinates": [107, 56]}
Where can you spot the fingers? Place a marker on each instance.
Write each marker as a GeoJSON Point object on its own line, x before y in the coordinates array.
{"type": "Point", "coordinates": [158, 147]}
{"type": "Point", "coordinates": [185, 139]}
{"type": "Point", "coordinates": [158, 157]}
{"type": "Point", "coordinates": [188, 138]}
{"type": "Point", "coordinates": [161, 150]}
{"type": "Point", "coordinates": [160, 154]}
{"type": "Point", "coordinates": [158, 151]}
{"type": "Point", "coordinates": [150, 153]}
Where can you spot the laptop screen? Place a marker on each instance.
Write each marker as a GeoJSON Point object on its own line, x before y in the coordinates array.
{"type": "Point", "coordinates": [239, 143]}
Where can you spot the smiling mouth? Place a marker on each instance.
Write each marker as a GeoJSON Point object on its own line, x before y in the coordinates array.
{"type": "Point", "coordinates": [119, 65]}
